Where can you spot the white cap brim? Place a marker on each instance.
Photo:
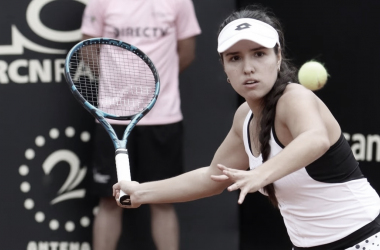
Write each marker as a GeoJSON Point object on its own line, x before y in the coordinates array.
{"type": "Point", "coordinates": [247, 29]}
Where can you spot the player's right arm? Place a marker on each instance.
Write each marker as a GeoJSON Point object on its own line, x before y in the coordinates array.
{"type": "Point", "coordinates": [195, 184]}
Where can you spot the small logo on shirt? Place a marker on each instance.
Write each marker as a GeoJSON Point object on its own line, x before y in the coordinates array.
{"type": "Point", "coordinates": [243, 26]}
{"type": "Point", "coordinates": [147, 32]}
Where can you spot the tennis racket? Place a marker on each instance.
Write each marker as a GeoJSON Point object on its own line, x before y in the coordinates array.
{"type": "Point", "coordinates": [113, 80]}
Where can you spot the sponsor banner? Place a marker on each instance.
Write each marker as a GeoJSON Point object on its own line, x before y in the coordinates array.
{"type": "Point", "coordinates": [46, 135]}
{"type": "Point", "coordinates": [366, 148]}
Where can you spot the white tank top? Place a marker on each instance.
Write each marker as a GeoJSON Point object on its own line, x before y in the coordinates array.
{"type": "Point", "coordinates": [315, 212]}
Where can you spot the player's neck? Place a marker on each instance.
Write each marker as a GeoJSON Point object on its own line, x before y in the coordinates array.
{"type": "Point", "coordinates": [256, 108]}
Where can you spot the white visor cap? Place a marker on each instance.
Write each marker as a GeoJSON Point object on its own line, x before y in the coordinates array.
{"type": "Point", "coordinates": [247, 29]}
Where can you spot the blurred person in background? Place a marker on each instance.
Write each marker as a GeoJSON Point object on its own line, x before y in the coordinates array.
{"type": "Point", "coordinates": [165, 30]}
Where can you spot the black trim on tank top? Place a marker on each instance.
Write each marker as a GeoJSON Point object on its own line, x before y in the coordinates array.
{"type": "Point", "coordinates": [249, 136]}
{"type": "Point", "coordinates": [337, 165]}
{"type": "Point", "coordinates": [275, 137]}
{"type": "Point", "coordinates": [350, 240]}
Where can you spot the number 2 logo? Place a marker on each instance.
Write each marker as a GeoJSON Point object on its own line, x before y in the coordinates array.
{"type": "Point", "coordinates": [75, 177]}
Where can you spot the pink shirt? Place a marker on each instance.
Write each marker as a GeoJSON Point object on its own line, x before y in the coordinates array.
{"type": "Point", "coordinates": [153, 26]}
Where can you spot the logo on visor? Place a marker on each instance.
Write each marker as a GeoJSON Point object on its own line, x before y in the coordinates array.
{"type": "Point", "coordinates": [243, 26]}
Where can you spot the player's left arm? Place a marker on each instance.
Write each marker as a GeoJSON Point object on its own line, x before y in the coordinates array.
{"type": "Point", "coordinates": [298, 112]}
{"type": "Point", "coordinates": [186, 52]}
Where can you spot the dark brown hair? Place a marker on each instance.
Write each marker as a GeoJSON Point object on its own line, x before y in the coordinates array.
{"type": "Point", "coordinates": [287, 74]}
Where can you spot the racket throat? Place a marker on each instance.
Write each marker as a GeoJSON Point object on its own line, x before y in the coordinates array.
{"type": "Point", "coordinates": [121, 151]}
{"type": "Point", "coordinates": [120, 145]}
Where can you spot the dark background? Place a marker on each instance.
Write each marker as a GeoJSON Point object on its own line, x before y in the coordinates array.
{"type": "Point", "coordinates": [29, 110]}
{"type": "Point", "coordinates": [343, 35]}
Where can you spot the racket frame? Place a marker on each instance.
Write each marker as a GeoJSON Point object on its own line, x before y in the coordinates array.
{"type": "Point", "coordinates": [101, 116]}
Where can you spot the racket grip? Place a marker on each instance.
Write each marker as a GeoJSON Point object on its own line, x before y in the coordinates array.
{"type": "Point", "coordinates": [124, 198]}
{"type": "Point", "coordinates": [123, 173]}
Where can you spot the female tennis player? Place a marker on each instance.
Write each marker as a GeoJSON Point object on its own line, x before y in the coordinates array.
{"type": "Point", "coordinates": [289, 139]}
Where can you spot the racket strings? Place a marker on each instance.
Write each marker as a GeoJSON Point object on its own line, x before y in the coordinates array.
{"type": "Point", "coordinates": [113, 79]}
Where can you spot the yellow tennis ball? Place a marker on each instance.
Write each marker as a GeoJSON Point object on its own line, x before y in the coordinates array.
{"type": "Point", "coordinates": [313, 75]}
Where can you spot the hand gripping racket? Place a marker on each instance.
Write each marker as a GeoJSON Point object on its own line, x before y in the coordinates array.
{"type": "Point", "coordinates": [113, 80]}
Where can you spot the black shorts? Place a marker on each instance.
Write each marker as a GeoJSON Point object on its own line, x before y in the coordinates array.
{"type": "Point", "coordinates": [155, 153]}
